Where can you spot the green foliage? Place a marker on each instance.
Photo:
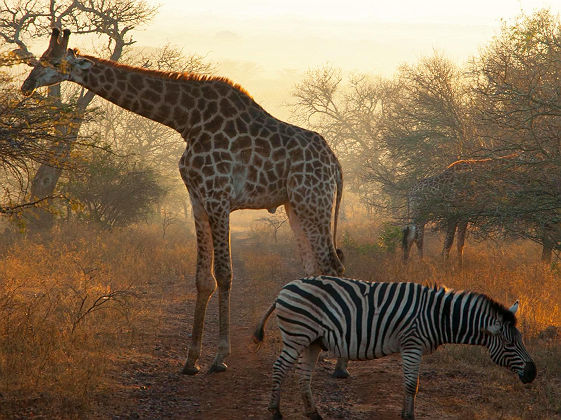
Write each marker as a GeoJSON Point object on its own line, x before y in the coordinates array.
{"type": "Point", "coordinates": [389, 237]}
{"type": "Point", "coordinates": [112, 191]}
{"type": "Point", "coordinates": [387, 241]}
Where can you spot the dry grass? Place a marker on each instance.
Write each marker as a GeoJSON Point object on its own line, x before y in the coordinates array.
{"type": "Point", "coordinates": [71, 302]}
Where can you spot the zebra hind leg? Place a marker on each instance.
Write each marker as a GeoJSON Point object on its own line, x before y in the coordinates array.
{"type": "Point", "coordinates": [280, 368]}
{"type": "Point", "coordinates": [306, 365]}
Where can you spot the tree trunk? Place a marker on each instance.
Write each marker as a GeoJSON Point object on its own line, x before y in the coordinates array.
{"type": "Point", "coordinates": [46, 178]}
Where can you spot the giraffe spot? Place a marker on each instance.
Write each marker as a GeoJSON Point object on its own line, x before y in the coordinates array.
{"type": "Point", "coordinates": [187, 100]}
{"type": "Point", "coordinates": [151, 95]}
{"type": "Point", "coordinates": [230, 129]}
{"type": "Point", "coordinates": [214, 125]}
{"type": "Point", "coordinates": [222, 88]}
{"type": "Point", "coordinates": [223, 167]}
{"type": "Point", "coordinates": [244, 142]}
{"type": "Point", "coordinates": [208, 170]}
{"type": "Point", "coordinates": [155, 84]}
{"type": "Point", "coordinates": [210, 111]}
{"type": "Point", "coordinates": [136, 80]}
{"type": "Point", "coordinates": [278, 154]}
{"type": "Point", "coordinates": [194, 116]}
{"type": "Point", "coordinates": [209, 160]}
{"type": "Point", "coordinates": [121, 75]}
{"type": "Point", "coordinates": [221, 141]}
{"type": "Point", "coordinates": [171, 96]}
{"type": "Point", "coordinates": [276, 141]}
{"type": "Point", "coordinates": [254, 129]}
{"type": "Point", "coordinates": [245, 156]}
{"type": "Point", "coordinates": [164, 110]}
{"type": "Point", "coordinates": [179, 114]}
{"type": "Point", "coordinates": [227, 109]}
{"type": "Point", "coordinates": [146, 106]}
{"type": "Point", "coordinates": [209, 93]}
{"type": "Point", "coordinates": [110, 76]}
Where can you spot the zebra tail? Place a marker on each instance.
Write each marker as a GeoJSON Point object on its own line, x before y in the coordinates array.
{"type": "Point", "coordinates": [259, 334]}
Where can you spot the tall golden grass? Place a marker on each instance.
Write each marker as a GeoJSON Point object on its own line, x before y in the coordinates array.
{"type": "Point", "coordinates": [73, 300]}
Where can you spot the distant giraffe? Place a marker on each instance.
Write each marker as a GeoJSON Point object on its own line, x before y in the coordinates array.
{"type": "Point", "coordinates": [451, 196]}
{"type": "Point", "coordinates": [237, 157]}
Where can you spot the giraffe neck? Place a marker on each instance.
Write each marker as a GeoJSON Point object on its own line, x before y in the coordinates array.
{"type": "Point", "coordinates": [179, 100]}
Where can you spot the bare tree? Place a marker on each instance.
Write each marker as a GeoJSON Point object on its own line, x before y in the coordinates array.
{"type": "Point", "coordinates": [345, 112]}
{"type": "Point", "coordinates": [23, 22]}
{"type": "Point", "coordinates": [517, 107]}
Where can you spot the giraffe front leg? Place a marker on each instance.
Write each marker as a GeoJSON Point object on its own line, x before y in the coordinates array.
{"type": "Point", "coordinates": [206, 285]}
{"type": "Point", "coordinates": [460, 241]}
{"type": "Point", "coordinates": [220, 227]}
{"type": "Point", "coordinates": [449, 239]}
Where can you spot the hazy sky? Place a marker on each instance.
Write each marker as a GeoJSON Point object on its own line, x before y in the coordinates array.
{"type": "Point", "coordinates": [268, 45]}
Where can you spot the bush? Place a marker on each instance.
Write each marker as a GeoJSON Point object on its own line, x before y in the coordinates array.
{"type": "Point", "coordinates": [111, 191]}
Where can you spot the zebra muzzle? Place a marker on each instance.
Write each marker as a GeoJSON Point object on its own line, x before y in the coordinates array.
{"type": "Point", "coordinates": [529, 373]}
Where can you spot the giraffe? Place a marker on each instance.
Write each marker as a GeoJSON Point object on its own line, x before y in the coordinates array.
{"type": "Point", "coordinates": [237, 156]}
{"type": "Point", "coordinates": [454, 197]}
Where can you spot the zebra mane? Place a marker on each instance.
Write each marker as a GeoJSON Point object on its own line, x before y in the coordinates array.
{"type": "Point", "coordinates": [496, 307]}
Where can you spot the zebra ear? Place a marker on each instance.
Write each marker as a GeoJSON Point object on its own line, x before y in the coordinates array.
{"type": "Point", "coordinates": [514, 308]}
{"type": "Point", "coordinates": [492, 329]}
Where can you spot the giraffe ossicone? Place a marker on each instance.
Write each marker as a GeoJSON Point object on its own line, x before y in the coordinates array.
{"type": "Point", "coordinates": [237, 156]}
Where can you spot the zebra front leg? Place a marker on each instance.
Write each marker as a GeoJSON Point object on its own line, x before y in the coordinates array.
{"type": "Point", "coordinates": [411, 360]}
{"type": "Point", "coordinates": [340, 371]}
{"type": "Point", "coordinates": [306, 365]}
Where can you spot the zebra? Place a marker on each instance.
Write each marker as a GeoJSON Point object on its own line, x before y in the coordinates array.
{"type": "Point", "coordinates": [358, 320]}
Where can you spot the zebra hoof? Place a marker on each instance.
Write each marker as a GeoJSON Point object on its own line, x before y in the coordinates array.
{"type": "Point", "coordinates": [340, 373]}
{"type": "Point", "coordinates": [218, 367]}
{"type": "Point", "coordinates": [191, 370]}
{"type": "Point", "coordinates": [276, 413]}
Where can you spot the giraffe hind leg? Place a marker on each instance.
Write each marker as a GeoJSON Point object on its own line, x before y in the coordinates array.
{"type": "Point", "coordinates": [220, 227]}
{"type": "Point", "coordinates": [318, 240]}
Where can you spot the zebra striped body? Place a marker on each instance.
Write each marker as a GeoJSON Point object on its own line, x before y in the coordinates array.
{"type": "Point", "coordinates": [358, 320]}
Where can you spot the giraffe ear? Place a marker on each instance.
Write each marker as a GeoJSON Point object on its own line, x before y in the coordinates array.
{"type": "Point", "coordinates": [514, 308]}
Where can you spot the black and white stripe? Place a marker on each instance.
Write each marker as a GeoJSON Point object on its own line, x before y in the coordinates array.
{"type": "Point", "coordinates": [358, 320]}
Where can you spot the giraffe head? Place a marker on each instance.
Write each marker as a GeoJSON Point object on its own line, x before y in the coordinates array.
{"type": "Point", "coordinates": [55, 65]}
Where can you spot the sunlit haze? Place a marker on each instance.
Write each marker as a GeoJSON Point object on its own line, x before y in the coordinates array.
{"type": "Point", "coordinates": [268, 45]}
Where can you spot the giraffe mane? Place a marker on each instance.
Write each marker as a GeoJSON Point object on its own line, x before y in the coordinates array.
{"type": "Point", "coordinates": [187, 76]}
{"type": "Point", "coordinates": [473, 161]}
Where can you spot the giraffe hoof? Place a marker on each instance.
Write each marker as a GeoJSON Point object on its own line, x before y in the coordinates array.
{"type": "Point", "coordinates": [314, 416]}
{"type": "Point", "coordinates": [218, 367]}
{"type": "Point", "coordinates": [191, 370]}
{"type": "Point", "coordinates": [340, 373]}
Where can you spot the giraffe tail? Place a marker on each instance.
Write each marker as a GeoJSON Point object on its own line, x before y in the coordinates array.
{"type": "Point", "coordinates": [337, 206]}
{"type": "Point", "coordinates": [259, 334]}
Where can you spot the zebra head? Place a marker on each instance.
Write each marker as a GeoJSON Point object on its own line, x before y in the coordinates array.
{"type": "Point", "coordinates": [507, 349]}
